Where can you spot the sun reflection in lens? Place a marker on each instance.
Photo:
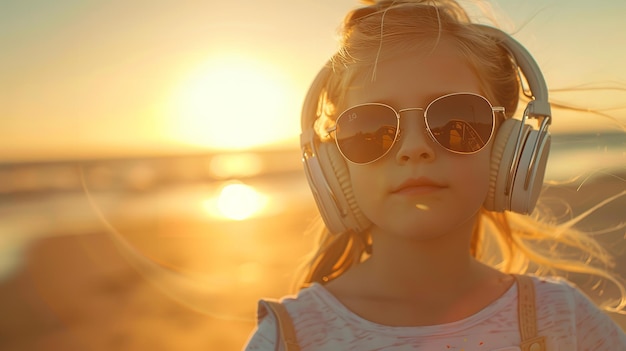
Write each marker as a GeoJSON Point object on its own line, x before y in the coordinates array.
{"type": "Point", "coordinates": [236, 201]}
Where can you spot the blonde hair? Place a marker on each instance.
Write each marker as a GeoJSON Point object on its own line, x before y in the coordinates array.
{"type": "Point", "coordinates": [510, 242]}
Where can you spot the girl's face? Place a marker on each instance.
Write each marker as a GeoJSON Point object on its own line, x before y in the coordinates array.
{"type": "Point", "coordinates": [446, 190]}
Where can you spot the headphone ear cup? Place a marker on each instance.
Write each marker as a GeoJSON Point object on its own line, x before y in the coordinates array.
{"type": "Point", "coordinates": [531, 169]}
{"type": "Point", "coordinates": [526, 179]}
{"type": "Point", "coordinates": [337, 177]}
{"type": "Point", "coordinates": [502, 156]}
{"type": "Point", "coordinates": [322, 193]}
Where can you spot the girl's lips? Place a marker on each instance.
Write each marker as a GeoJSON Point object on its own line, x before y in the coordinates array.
{"type": "Point", "coordinates": [417, 186]}
{"type": "Point", "coordinates": [417, 190]}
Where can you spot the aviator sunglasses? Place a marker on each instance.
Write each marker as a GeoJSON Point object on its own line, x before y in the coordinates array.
{"type": "Point", "coordinates": [462, 123]}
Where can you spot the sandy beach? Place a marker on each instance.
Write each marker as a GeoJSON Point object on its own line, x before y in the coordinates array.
{"type": "Point", "coordinates": [187, 283]}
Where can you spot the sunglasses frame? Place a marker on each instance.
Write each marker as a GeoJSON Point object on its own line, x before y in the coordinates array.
{"type": "Point", "coordinates": [494, 109]}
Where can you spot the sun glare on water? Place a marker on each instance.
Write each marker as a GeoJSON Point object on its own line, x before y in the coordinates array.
{"type": "Point", "coordinates": [235, 102]}
{"type": "Point", "coordinates": [236, 201]}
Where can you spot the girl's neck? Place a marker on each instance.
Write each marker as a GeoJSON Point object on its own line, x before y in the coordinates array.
{"type": "Point", "coordinates": [422, 266]}
{"type": "Point", "coordinates": [421, 276]}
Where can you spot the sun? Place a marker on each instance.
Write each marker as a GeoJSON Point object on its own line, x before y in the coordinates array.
{"type": "Point", "coordinates": [235, 102]}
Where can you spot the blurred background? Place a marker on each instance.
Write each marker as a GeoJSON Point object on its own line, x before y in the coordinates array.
{"type": "Point", "coordinates": [151, 189]}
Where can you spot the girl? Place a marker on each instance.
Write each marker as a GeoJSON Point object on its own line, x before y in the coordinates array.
{"type": "Point", "coordinates": [417, 167]}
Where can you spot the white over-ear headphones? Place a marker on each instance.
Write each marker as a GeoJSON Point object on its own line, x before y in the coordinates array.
{"type": "Point", "coordinates": [518, 159]}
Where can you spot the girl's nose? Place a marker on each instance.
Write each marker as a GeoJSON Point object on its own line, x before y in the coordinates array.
{"type": "Point", "coordinates": [414, 143]}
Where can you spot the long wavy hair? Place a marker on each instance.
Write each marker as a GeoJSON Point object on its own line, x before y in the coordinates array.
{"type": "Point", "coordinates": [510, 242]}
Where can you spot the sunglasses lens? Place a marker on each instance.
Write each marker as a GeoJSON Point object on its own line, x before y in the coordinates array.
{"type": "Point", "coordinates": [365, 133]}
{"type": "Point", "coordinates": [461, 123]}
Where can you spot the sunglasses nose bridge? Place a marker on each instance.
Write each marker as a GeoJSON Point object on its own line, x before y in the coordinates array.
{"type": "Point", "coordinates": [413, 141]}
{"type": "Point", "coordinates": [416, 124]}
{"type": "Point", "coordinates": [409, 109]}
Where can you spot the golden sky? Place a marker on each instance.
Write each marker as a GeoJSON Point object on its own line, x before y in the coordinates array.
{"type": "Point", "coordinates": [93, 78]}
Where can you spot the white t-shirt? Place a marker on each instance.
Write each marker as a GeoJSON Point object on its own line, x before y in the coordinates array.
{"type": "Point", "coordinates": [568, 320]}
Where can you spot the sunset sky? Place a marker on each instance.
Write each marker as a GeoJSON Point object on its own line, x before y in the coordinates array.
{"type": "Point", "coordinates": [95, 78]}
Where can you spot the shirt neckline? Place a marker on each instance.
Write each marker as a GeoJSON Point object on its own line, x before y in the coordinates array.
{"type": "Point", "coordinates": [505, 300]}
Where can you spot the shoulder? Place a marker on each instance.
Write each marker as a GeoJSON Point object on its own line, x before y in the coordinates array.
{"type": "Point", "coordinates": [561, 305]}
{"type": "Point", "coordinates": [307, 307]}
{"type": "Point", "coordinates": [552, 289]}
{"type": "Point", "coordinates": [560, 296]}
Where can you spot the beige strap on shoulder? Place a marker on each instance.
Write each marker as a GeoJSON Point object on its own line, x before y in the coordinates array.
{"type": "Point", "coordinates": [527, 315]}
{"type": "Point", "coordinates": [286, 331]}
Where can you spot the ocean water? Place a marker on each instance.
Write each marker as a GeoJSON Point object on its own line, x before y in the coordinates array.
{"type": "Point", "coordinates": [586, 155]}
